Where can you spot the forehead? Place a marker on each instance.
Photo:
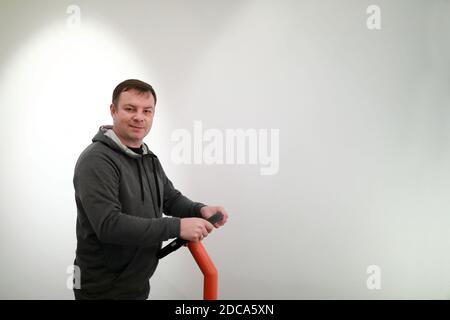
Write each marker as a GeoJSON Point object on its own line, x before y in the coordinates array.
{"type": "Point", "coordinates": [136, 98]}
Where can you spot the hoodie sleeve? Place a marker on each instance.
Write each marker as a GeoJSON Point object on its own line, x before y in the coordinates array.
{"type": "Point", "coordinates": [175, 203]}
{"type": "Point", "coordinates": [96, 183]}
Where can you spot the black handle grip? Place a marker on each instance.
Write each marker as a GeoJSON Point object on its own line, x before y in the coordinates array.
{"type": "Point", "coordinates": [216, 217]}
{"type": "Point", "coordinates": [178, 242]}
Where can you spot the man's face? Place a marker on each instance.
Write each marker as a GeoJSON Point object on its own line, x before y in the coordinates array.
{"type": "Point", "coordinates": [133, 116]}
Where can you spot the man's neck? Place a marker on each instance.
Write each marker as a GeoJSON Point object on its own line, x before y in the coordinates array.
{"type": "Point", "coordinates": [136, 150]}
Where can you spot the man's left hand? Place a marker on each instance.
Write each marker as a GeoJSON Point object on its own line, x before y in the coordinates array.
{"type": "Point", "coordinates": [208, 211]}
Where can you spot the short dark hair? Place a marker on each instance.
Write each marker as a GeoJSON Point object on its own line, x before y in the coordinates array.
{"type": "Point", "coordinates": [135, 84]}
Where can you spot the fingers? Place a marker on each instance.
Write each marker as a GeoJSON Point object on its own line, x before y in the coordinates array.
{"type": "Point", "coordinates": [225, 215]}
{"type": "Point", "coordinates": [208, 211]}
{"type": "Point", "coordinates": [224, 219]}
{"type": "Point", "coordinates": [209, 227]}
{"type": "Point", "coordinates": [195, 229]}
{"type": "Point", "coordinates": [204, 229]}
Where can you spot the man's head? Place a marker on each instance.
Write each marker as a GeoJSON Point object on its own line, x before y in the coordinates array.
{"type": "Point", "coordinates": [132, 110]}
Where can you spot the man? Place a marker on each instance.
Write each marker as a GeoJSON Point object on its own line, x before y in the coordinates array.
{"type": "Point", "coordinates": [121, 191]}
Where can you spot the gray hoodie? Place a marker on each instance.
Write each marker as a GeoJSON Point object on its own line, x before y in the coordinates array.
{"type": "Point", "coordinates": [120, 197]}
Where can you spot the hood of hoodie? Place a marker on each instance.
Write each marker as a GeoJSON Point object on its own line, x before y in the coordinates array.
{"type": "Point", "coordinates": [107, 136]}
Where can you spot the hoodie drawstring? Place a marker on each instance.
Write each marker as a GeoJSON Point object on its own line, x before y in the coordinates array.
{"type": "Point", "coordinates": [140, 180]}
{"type": "Point", "coordinates": [155, 176]}
{"type": "Point", "coordinates": [156, 182]}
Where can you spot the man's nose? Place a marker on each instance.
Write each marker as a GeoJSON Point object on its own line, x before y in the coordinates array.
{"type": "Point", "coordinates": [139, 117]}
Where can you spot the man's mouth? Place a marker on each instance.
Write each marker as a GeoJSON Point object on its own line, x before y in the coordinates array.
{"type": "Point", "coordinates": [135, 127]}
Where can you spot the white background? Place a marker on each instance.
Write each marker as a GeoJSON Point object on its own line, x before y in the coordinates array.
{"type": "Point", "coordinates": [363, 116]}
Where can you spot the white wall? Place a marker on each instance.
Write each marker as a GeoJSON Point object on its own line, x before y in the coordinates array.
{"type": "Point", "coordinates": [363, 118]}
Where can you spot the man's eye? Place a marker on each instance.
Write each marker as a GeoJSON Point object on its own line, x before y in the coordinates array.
{"type": "Point", "coordinates": [148, 111]}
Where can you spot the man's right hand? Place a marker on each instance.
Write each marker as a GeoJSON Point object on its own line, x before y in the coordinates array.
{"type": "Point", "coordinates": [194, 229]}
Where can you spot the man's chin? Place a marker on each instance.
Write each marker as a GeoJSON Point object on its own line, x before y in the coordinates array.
{"type": "Point", "coordinates": [140, 134]}
{"type": "Point", "coordinates": [137, 137]}
{"type": "Point", "coordinates": [131, 138]}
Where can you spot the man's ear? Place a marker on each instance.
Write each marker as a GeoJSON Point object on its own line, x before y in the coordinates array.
{"type": "Point", "coordinates": [112, 109]}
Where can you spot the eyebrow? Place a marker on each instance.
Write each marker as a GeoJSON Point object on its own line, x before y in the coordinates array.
{"type": "Point", "coordinates": [131, 105]}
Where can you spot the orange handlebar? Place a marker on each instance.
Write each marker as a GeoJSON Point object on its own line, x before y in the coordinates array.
{"type": "Point", "coordinates": [208, 269]}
